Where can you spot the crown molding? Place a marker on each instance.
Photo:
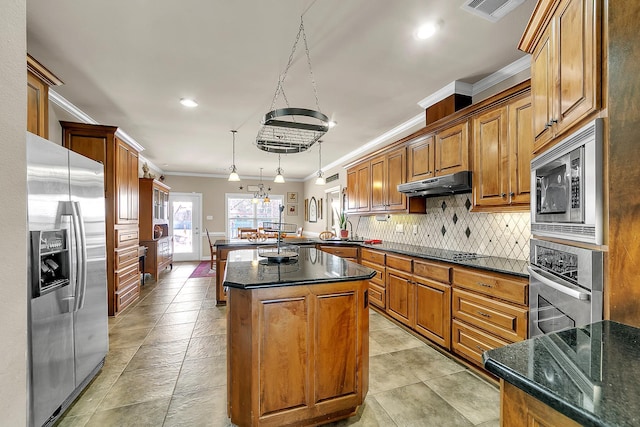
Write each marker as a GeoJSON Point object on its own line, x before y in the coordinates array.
{"type": "Point", "coordinates": [83, 117]}
{"type": "Point", "coordinates": [417, 120]}
{"type": "Point", "coordinates": [454, 87]}
{"type": "Point", "coordinates": [265, 180]}
{"type": "Point", "coordinates": [502, 74]}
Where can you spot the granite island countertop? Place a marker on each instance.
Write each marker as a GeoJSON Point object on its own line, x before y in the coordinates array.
{"type": "Point", "coordinates": [247, 270]}
{"type": "Point", "coordinates": [490, 263]}
{"type": "Point", "coordinates": [590, 374]}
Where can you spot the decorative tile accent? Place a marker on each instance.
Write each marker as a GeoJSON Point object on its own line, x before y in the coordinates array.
{"type": "Point", "coordinates": [501, 235]}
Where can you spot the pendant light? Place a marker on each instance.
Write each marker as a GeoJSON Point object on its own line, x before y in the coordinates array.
{"type": "Point", "coordinates": [320, 179]}
{"type": "Point", "coordinates": [279, 178]}
{"type": "Point", "coordinates": [261, 194]}
{"type": "Point", "coordinates": [233, 176]}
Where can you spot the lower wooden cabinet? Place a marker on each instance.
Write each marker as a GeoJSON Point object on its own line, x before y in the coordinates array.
{"type": "Point", "coordinates": [297, 355]}
{"type": "Point", "coordinates": [400, 296]}
{"type": "Point", "coordinates": [470, 342]}
{"type": "Point", "coordinates": [377, 285]}
{"type": "Point", "coordinates": [159, 255]}
{"type": "Point", "coordinates": [519, 409]}
{"type": "Point", "coordinates": [433, 311]}
{"type": "Point", "coordinates": [350, 253]}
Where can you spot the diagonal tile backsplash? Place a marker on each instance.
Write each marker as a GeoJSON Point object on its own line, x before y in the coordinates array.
{"type": "Point", "coordinates": [448, 224]}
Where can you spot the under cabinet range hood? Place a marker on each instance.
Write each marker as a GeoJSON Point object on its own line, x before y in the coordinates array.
{"type": "Point", "coordinates": [459, 182]}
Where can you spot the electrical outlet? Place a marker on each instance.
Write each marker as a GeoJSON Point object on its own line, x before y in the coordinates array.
{"type": "Point", "coordinates": [399, 228]}
{"type": "Point", "coordinates": [209, 217]}
{"type": "Point", "coordinates": [415, 229]}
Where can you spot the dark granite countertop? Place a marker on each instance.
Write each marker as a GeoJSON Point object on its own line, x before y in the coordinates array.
{"type": "Point", "coordinates": [491, 263]}
{"type": "Point", "coordinates": [246, 270]}
{"type": "Point", "coordinates": [590, 374]}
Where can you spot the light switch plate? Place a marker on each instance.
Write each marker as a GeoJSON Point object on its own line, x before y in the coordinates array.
{"type": "Point", "coordinates": [399, 228]}
{"type": "Point", "coordinates": [415, 229]}
{"type": "Point", "coordinates": [209, 217]}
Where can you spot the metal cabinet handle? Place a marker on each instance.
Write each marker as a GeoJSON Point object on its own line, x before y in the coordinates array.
{"type": "Point", "coordinates": [503, 195]}
{"type": "Point", "coordinates": [512, 194]}
{"type": "Point", "coordinates": [480, 348]}
{"type": "Point", "coordinates": [485, 285]}
{"type": "Point", "coordinates": [483, 314]}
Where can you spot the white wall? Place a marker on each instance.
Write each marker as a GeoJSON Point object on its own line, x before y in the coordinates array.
{"type": "Point", "coordinates": [13, 227]}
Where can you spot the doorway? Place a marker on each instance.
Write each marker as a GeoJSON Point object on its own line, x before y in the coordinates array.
{"type": "Point", "coordinates": [333, 209]}
{"type": "Point", "coordinates": [186, 222]}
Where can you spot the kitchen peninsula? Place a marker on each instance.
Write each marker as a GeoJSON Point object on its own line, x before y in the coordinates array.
{"type": "Point", "coordinates": [297, 338]}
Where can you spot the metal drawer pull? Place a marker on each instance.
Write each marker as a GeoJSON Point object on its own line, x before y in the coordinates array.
{"type": "Point", "coordinates": [480, 348]}
{"type": "Point", "coordinates": [485, 285]}
{"type": "Point", "coordinates": [483, 314]}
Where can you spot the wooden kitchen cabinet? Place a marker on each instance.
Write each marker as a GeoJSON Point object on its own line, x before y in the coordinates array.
{"type": "Point", "coordinates": [159, 255]}
{"type": "Point", "coordinates": [39, 79]}
{"type": "Point", "coordinates": [120, 162]}
{"type": "Point", "coordinates": [347, 252]}
{"type": "Point", "coordinates": [358, 188]}
{"type": "Point", "coordinates": [565, 66]}
{"type": "Point", "coordinates": [489, 310]}
{"type": "Point", "coordinates": [433, 301]}
{"type": "Point", "coordinates": [421, 158]}
{"type": "Point", "coordinates": [400, 289]}
{"type": "Point", "coordinates": [452, 149]}
{"type": "Point", "coordinates": [377, 285]}
{"type": "Point", "coordinates": [153, 204]}
{"type": "Point", "coordinates": [502, 146]}
{"type": "Point", "coordinates": [387, 172]}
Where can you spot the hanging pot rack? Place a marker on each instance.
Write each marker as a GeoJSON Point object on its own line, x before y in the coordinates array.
{"type": "Point", "coordinates": [292, 130]}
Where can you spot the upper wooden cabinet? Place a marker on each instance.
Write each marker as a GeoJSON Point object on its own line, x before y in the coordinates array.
{"type": "Point", "coordinates": [420, 158]}
{"type": "Point", "coordinates": [38, 81]}
{"type": "Point", "coordinates": [387, 172]}
{"type": "Point", "coordinates": [502, 146]}
{"type": "Point", "coordinates": [564, 40]}
{"type": "Point", "coordinates": [452, 149]}
{"type": "Point", "coordinates": [154, 203]}
{"type": "Point", "coordinates": [126, 183]}
{"type": "Point", "coordinates": [358, 188]}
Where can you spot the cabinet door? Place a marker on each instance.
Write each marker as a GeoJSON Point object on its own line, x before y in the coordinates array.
{"type": "Point", "coordinates": [578, 61]}
{"type": "Point", "coordinates": [378, 183]}
{"type": "Point", "coordinates": [400, 296]}
{"type": "Point", "coordinates": [452, 150]}
{"type": "Point", "coordinates": [122, 183]}
{"type": "Point", "coordinates": [520, 150]}
{"type": "Point", "coordinates": [352, 189]}
{"type": "Point", "coordinates": [542, 88]}
{"type": "Point", "coordinates": [37, 106]}
{"type": "Point", "coordinates": [491, 162]}
{"type": "Point", "coordinates": [396, 167]}
{"type": "Point", "coordinates": [421, 155]}
{"type": "Point", "coordinates": [433, 311]}
{"type": "Point", "coordinates": [364, 188]}
{"type": "Point", "coordinates": [133, 186]}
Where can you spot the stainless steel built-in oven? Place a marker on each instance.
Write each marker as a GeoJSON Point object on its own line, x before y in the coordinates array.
{"type": "Point", "coordinates": [568, 187]}
{"type": "Point", "coordinates": [565, 287]}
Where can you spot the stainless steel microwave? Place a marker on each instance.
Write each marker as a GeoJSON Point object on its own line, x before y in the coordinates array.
{"type": "Point", "coordinates": [567, 203]}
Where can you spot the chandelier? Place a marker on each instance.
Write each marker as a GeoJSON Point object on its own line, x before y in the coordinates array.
{"type": "Point", "coordinates": [292, 130]}
{"type": "Point", "coordinates": [261, 194]}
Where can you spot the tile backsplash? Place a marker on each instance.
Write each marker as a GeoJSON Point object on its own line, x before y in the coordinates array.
{"type": "Point", "coordinates": [448, 224]}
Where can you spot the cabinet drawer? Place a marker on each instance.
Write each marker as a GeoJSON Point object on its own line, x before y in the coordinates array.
{"type": "Point", "coordinates": [126, 257]}
{"type": "Point", "coordinates": [126, 237]}
{"type": "Point", "coordinates": [375, 257]}
{"type": "Point", "coordinates": [493, 284]}
{"type": "Point", "coordinates": [342, 252]}
{"type": "Point", "coordinates": [504, 320]}
{"type": "Point", "coordinates": [377, 295]}
{"type": "Point", "coordinates": [433, 271]}
{"type": "Point", "coordinates": [126, 276]}
{"type": "Point", "coordinates": [470, 342]}
{"type": "Point", "coordinates": [399, 262]}
{"type": "Point", "coordinates": [126, 297]}
{"type": "Point", "coordinates": [378, 279]}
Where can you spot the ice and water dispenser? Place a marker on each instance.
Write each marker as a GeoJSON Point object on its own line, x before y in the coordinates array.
{"type": "Point", "coordinates": [50, 261]}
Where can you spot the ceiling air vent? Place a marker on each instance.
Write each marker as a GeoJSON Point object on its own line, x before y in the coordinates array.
{"type": "Point", "coordinates": [491, 10]}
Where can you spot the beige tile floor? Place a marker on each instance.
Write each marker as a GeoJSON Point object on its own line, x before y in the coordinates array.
{"type": "Point", "coordinates": [166, 366]}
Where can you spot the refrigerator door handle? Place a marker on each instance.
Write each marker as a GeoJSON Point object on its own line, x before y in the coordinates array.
{"type": "Point", "coordinates": [81, 246]}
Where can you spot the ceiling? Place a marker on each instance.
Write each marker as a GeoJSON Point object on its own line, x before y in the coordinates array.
{"type": "Point", "coordinates": [128, 64]}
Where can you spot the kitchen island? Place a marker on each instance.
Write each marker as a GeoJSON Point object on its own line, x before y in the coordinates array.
{"type": "Point", "coordinates": [581, 376]}
{"type": "Point", "coordinates": [297, 338]}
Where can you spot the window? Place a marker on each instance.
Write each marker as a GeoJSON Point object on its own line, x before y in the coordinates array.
{"type": "Point", "coordinates": [243, 213]}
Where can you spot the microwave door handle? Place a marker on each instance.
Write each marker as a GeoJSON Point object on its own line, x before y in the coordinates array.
{"type": "Point", "coordinates": [567, 289]}
{"type": "Point", "coordinates": [81, 246]}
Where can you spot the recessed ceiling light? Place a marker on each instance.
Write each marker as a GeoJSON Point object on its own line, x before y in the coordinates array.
{"type": "Point", "coordinates": [425, 31]}
{"type": "Point", "coordinates": [187, 102]}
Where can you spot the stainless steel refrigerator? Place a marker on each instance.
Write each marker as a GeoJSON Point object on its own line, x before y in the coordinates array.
{"type": "Point", "coordinates": [68, 323]}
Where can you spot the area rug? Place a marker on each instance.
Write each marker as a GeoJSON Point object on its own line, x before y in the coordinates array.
{"type": "Point", "coordinates": [202, 270]}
